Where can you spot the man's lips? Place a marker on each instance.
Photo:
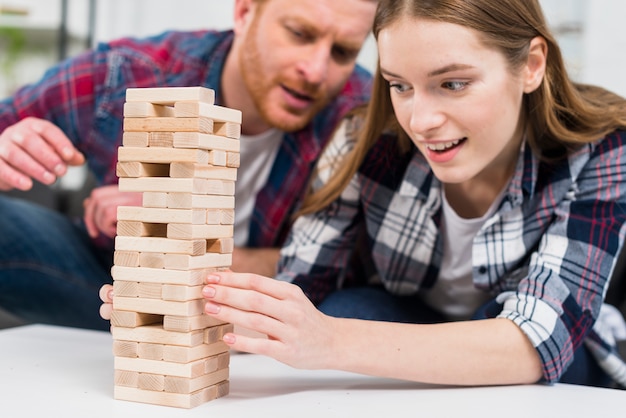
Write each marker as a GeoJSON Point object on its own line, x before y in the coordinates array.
{"type": "Point", "coordinates": [298, 95]}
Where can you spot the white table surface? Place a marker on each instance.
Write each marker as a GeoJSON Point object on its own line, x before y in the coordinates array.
{"type": "Point", "coordinates": [50, 371]}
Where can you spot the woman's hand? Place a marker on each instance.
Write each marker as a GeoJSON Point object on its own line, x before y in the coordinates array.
{"type": "Point", "coordinates": [299, 334]}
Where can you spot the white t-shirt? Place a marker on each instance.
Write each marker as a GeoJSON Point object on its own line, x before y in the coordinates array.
{"type": "Point", "coordinates": [257, 155]}
{"type": "Point", "coordinates": [454, 294]}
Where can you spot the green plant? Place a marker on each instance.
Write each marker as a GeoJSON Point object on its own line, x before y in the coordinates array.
{"type": "Point", "coordinates": [12, 43]}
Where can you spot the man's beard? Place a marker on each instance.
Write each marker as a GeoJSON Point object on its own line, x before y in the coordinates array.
{"type": "Point", "coordinates": [259, 86]}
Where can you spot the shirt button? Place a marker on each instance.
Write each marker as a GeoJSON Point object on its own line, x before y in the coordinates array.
{"type": "Point", "coordinates": [482, 270]}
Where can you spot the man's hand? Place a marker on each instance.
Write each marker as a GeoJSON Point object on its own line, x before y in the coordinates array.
{"type": "Point", "coordinates": [101, 209]}
{"type": "Point", "coordinates": [34, 149]}
{"type": "Point", "coordinates": [261, 261]}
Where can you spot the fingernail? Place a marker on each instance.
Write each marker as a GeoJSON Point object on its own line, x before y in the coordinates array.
{"type": "Point", "coordinates": [229, 339]}
{"type": "Point", "coordinates": [37, 128]}
{"type": "Point", "coordinates": [48, 178]}
{"type": "Point", "coordinates": [211, 308]}
{"type": "Point", "coordinates": [59, 169]}
{"type": "Point", "coordinates": [67, 153]}
{"type": "Point", "coordinates": [212, 278]}
{"type": "Point", "coordinates": [208, 291]}
{"type": "Point", "coordinates": [18, 138]}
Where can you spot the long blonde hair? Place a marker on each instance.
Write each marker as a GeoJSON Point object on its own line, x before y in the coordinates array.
{"type": "Point", "coordinates": [560, 114]}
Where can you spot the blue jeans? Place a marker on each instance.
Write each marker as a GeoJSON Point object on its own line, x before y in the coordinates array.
{"type": "Point", "coordinates": [375, 303]}
{"type": "Point", "coordinates": [50, 270]}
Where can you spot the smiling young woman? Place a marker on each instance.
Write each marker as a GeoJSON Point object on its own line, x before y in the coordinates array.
{"type": "Point", "coordinates": [479, 183]}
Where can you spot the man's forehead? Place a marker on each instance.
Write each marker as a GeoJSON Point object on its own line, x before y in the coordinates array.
{"type": "Point", "coordinates": [350, 19]}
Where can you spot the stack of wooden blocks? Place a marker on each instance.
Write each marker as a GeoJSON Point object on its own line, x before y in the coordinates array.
{"type": "Point", "coordinates": [182, 152]}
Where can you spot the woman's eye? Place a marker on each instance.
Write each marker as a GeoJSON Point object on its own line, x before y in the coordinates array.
{"type": "Point", "coordinates": [455, 85]}
{"type": "Point", "coordinates": [398, 87]}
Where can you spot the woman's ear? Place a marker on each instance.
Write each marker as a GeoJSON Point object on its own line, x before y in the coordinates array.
{"type": "Point", "coordinates": [536, 64]}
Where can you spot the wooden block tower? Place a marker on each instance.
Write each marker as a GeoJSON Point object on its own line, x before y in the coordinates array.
{"type": "Point", "coordinates": [182, 152]}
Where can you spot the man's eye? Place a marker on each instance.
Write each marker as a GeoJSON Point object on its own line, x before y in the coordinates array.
{"type": "Point", "coordinates": [344, 55]}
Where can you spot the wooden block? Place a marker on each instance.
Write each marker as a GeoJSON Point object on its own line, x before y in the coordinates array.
{"type": "Point", "coordinates": [202, 125]}
{"type": "Point", "coordinates": [181, 293]}
{"type": "Point", "coordinates": [152, 260]}
{"type": "Point", "coordinates": [161, 139]}
{"type": "Point", "coordinates": [218, 362]}
{"type": "Point", "coordinates": [228, 216]}
{"type": "Point", "coordinates": [166, 368]}
{"type": "Point", "coordinates": [126, 348]}
{"type": "Point", "coordinates": [189, 201]}
{"type": "Point", "coordinates": [149, 381]}
{"type": "Point", "coordinates": [197, 140]}
{"type": "Point", "coordinates": [150, 351]}
{"type": "Point", "coordinates": [232, 159]}
{"type": "Point", "coordinates": [170, 95]}
{"type": "Point", "coordinates": [180, 354]}
{"type": "Point", "coordinates": [221, 246]}
{"type": "Point", "coordinates": [154, 200]}
{"type": "Point", "coordinates": [150, 290]}
{"type": "Point", "coordinates": [134, 319]}
{"type": "Point", "coordinates": [153, 275]}
{"type": "Point", "coordinates": [141, 229]}
{"type": "Point", "coordinates": [227, 129]}
{"type": "Point", "coordinates": [164, 155]}
{"type": "Point", "coordinates": [135, 139]}
{"type": "Point", "coordinates": [158, 215]}
{"type": "Point", "coordinates": [182, 385]}
{"type": "Point", "coordinates": [125, 289]}
{"type": "Point", "coordinates": [218, 157]}
{"type": "Point", "coordinates": [138, 169]}
{"type": "Point", "coordinates": [203, 171]}
{"type": "Point", "coordinates": [190, 262]}
{"type": "Point", "coordinates": [189, 323]}
{"type": "Point", "coordinates": [177, 185]}
{"type": "Point", "coordinates": [126, 378]}
{"type": "Point", "coordinates": [147, 109]}
{"type": "Point", "coordinates": [217, 113]}
{"type": "Point", "coordinates": [215, 334]}
{"type": "Point", "coordinates": [213, 216]}
{"type": "Point", "coordinates": [187, 231]}
{"type": "Point", "coordinates": [156, 334]}
{"type": "Point", "coordinates": [178, 400]}
{"type": "Point", "coordinates": [160, 245]}
{"type": "Point", "coordinates": [126, 258]}
{"type": "Point", "coordinates": [158, 306]}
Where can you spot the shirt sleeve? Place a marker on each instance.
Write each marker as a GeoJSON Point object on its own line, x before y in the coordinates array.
{"type": "Point", "coordinates": [64, 96]}
{"type": "Point", "coordinates": [558, 302]}
{"type": "Point", "coordinates": [319, 245]}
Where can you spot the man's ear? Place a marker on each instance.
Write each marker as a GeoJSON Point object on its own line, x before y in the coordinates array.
{"type": "Point", "coordinates": [536, 64]}
{"type": "Point", "coordinates": [244, 10]}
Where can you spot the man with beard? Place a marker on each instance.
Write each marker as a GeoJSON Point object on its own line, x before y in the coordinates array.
{"type": "Point", "coordinates": [289, 66]}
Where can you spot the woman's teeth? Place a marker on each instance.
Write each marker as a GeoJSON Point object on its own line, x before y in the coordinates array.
{"type": "Point", "coordinates": [440, 146]}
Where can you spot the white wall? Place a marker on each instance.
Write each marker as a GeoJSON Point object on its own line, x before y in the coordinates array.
{"type": "Point", "coordinates": [593, 50]}
{"type": "Point", "coordinates": [149, 17]}
{"type": "Point", "coordinates": [117, 18]}
{"type": "Point", "coordinates": [588, 30]}
{"type": "Point", "coordinates": [604, 46]}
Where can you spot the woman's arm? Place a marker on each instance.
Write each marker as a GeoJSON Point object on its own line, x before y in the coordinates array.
{"type": "Point", "coordinates": [486, 352]}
